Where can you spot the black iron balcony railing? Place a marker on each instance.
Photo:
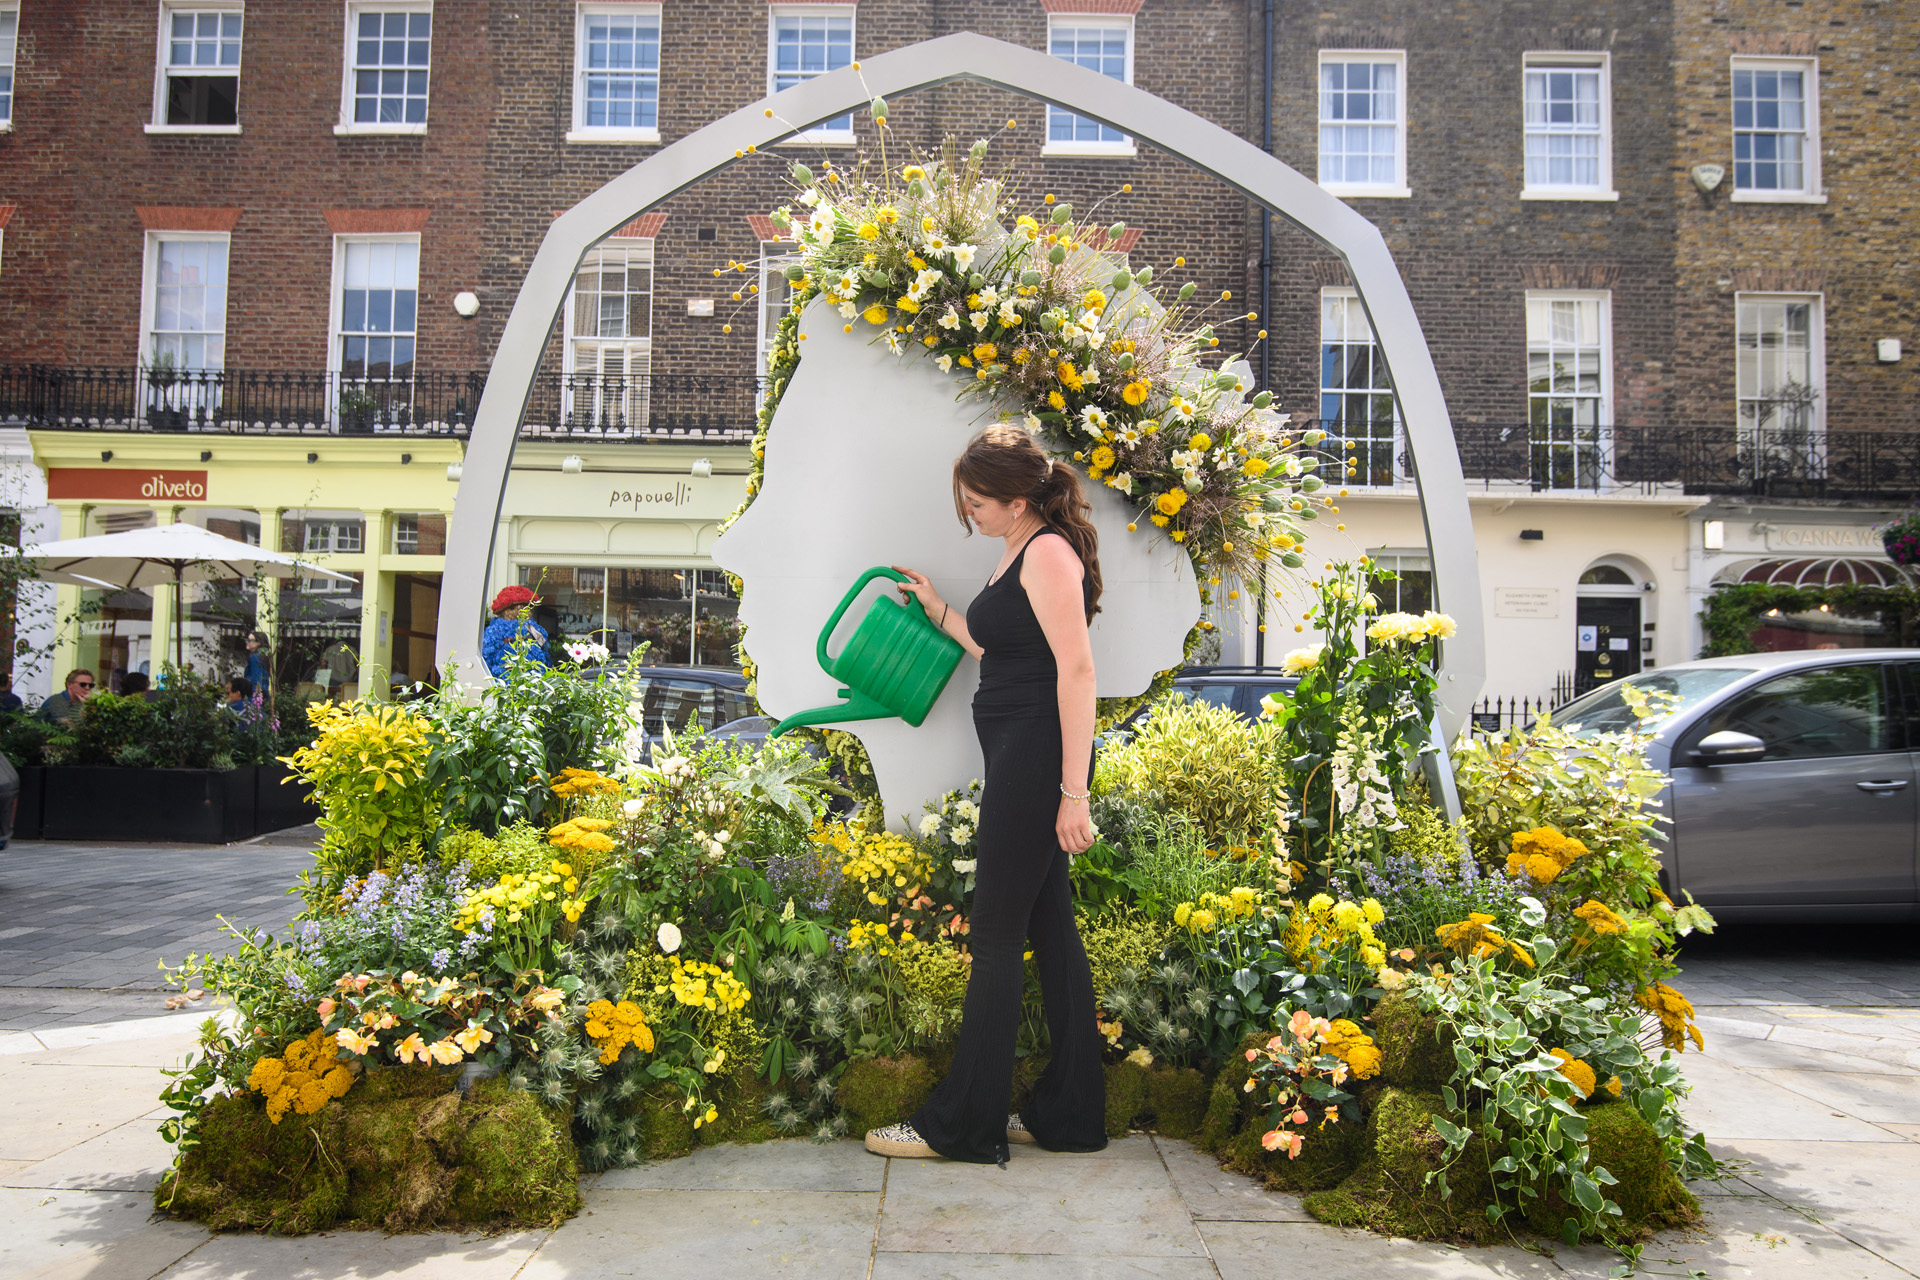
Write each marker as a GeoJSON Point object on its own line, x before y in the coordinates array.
{"type": "Point", "coordinates": [642, 408]}
{"type": "Point", "coordinates": [1703, 460]}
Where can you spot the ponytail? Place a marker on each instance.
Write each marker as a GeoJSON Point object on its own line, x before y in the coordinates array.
{"type": "Point", "coordinates": [1004, 463]}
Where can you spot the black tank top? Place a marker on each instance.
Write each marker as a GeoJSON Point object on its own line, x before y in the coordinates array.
{"type": "Point", "coordinates": [1018, 676]}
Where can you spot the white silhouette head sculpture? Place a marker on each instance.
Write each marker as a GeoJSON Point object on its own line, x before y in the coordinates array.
{"type": "Point", "coordinates": [859, 472]}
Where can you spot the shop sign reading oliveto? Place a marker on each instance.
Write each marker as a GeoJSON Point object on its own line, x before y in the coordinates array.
{"type": "Point", "coordinates": [127, 484]}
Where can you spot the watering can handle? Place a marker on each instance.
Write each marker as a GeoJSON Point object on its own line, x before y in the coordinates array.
{"type": "Point", "coordinates": [846, 601]}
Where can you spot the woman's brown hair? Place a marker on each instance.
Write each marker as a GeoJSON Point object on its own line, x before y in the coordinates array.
{"type": "Point", "coordinates": [1004, 463]}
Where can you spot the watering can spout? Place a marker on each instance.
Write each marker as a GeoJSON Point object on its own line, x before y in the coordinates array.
{"type": "Point", "coordinates": [858, 706]}
{"type": "Point", "coordinates": [896, 663]}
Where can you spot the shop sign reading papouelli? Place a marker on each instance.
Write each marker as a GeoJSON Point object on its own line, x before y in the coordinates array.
{"type": "Point", "coordinates": [130, 484]}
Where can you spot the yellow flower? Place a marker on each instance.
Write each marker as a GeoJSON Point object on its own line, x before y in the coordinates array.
{"type": "Point", "coordinates": [1255, 467]}
{"type": "Point", "coordinates": [1302, 660]}
{"type": "Point", "coordinates": [1094, 301]}
{"type": "Point", "coordinates": [1102, 458]}
{"type": "Point", "coordinates": [875, 314]}
{"type": "Point", "coordinates": [985, 351]}
{"type": "Point", "coordinates": [911, 172]}
{"type": "Point", "coordinates": [1171, 501]}
{"type": "Point", "coordinates": [1057, 400]}
{"type": "Point", "coordinates": [1438, 625]}
{"type": "Point", "coordinates": [1181, 914]}
{"type": "Point", "coordinates": [1201, 920]}
{"type": "Point", "coordinates": [1543, 854]}
{"type": "Point", "coordinates": [1600, 917]}
{"type": "Point", "coordinates": [1575, 1070]}
{"type": "Point", "coordinates": [1200, 440]}
{"type": "Point", "coordinates": [906, 304]}
{"type": "Point", "coordinates": [1159, 520]}
{"type": "Point", "coordinates": [1135, 392]}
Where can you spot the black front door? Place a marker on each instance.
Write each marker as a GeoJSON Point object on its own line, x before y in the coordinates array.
{"type": "Point", "coordinates": [1608, 639]}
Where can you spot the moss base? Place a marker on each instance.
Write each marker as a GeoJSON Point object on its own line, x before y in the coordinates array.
{"type": "Point", "coordinates": [402, 1150]}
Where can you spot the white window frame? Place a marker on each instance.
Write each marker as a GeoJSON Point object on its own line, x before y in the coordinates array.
{"type": "Point", "coordinates": [1816, 351]}
{"type": "Point", "coordinates": [1599, 449]}
{"type": "Point", "coordinates": [1602, 63]}
{"type": "Point", "coordinates": [1814, 191]}
{"type": "Point", "coordinates": [150, 284]}
{"type": "Point", "coordinates": [11, 67]}
{"type": "Point", "coordinates": [335, 360]}
{"type": "Point", "coordinates": [158, 122]}
{"type": "Point", "coordinates": [580, 131]}
{"type": "Point", "coordinates": [775, 257]}
{"type": "Point", "coordinates": [1397, 442]}
{"type": "Point", "coordinates": [1123, 149]}
{"type": "Point", "coordinates": [1400, 189]}
{"type": "Point", "coordinates": [813, 137]}
{"type": "Point", "coordinates": [640, 404]}
{"type": "Point", "coordinates": [348, 126]}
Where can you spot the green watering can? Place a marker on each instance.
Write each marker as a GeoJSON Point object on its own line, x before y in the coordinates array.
{"type": "Point", "coordinates": [896, 664]}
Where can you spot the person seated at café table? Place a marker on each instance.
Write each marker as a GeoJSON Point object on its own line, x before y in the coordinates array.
{"type": "Point", "coordinates": [65, 705]}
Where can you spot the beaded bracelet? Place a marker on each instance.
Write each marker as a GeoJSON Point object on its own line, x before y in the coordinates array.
{"type": "Point", "coordinates": [1076, 798]}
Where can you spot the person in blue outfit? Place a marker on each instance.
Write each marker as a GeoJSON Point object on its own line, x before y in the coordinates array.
{"type": "Point", "coordinates": [512, 629]}
{"type": "Point", "coordinates": [259, 661]}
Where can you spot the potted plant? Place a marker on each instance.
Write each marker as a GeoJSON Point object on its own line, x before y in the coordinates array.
{"type": "Point", "coordinates": [1901, 538]}
{"type": "Point", "coordinates": [163, 410]}
{"type": "Point", "coordinates": [358, 411]}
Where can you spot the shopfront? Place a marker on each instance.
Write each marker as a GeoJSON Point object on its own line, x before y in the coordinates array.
{"type": "Point", "coordinates": [374, 510]}
{"type": "Point", "coordinates": [1801, 546]}
{"type": "Point", "coordinates": [619, 549]}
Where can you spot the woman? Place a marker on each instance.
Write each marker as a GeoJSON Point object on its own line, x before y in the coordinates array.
{"type": "Point", "coordinates": [1034, 713]}
{"type": "Point", "coordinates": [512, 631]}
{"type": "Point", "coordinates": [259, 668]}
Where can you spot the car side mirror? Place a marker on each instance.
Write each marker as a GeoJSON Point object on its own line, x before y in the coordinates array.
{"type": "Point", "coordinates": [1728, 747]}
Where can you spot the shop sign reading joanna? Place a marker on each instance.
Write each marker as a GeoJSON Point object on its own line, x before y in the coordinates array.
{"type": "Point", "coordinates": [130, 484]}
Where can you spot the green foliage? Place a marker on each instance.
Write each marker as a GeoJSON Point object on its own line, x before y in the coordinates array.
{"type": "Point", "coordinates": [1119, 942]}
{"type": "Point", "coordinates": [1600, 791]}
{"type": "Point", "coordinates": [367, 765]}
{"type": "Point", "coordinates": [518, 847]}
{"type": "Point", "coordinates": [24, 738]}
{"type": "Point", "coordinates": [1200, 760]}
{"type": "Point", "coordinates": [190, 726]}
{"type": "Point", "coordinates": [1356, 726]}
{"type": "Point", "coordinates": [492, 759]}
{"type": "Point", "coordinates": [1520, 1043]}
{"type": "Point", "coordinates": [1176, 864]}
{"type": "Point", "coordinates": [110, 728]}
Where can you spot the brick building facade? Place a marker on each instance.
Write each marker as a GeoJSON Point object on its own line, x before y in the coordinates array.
{"type": "Point", "coordinates": [1530, 162]}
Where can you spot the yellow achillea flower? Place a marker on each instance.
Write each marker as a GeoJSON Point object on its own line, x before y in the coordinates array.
{"type": "Point", "coordinates": [1577, 1071]}
{"type": "Point", "coordinates": [1347, 1042]}
{"type": "Point", "coordinates": [306, 1076]}
{"type": "Point", "coordinates": [1600, 917]}
{"type": "Point", "coordinates": [615, 1026]}
{"type": "Point", "coordinates": [582, 782]}
{"type": "Point", "coordinates": [1543, 854]}
{"type": "Point", "coordinates": [1675, 1012]}
{"type": "Point", "coordinates": [1475, 936]}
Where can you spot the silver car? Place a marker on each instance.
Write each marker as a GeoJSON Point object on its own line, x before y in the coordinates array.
{"type": "Point", "coordinates": [1792, 786]}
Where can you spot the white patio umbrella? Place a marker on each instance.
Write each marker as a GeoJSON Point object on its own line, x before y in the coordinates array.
{"type": "Point", "coordinates": [168, 553]}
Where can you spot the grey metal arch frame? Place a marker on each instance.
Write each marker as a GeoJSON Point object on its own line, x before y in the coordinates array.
{"type": "Point", "coordinates": [1033, 74]}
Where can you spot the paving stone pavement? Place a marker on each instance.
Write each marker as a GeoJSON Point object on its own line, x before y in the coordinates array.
{"type": "Point", "coordinates": [1810, 1083]}
{"type": "Point", "coordinates": [82, 927]}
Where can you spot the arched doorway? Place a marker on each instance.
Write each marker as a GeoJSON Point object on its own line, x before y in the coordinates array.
{"type": "Point", "coordinates": [1608, 639]}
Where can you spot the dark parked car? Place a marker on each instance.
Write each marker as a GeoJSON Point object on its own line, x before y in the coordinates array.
{"type": "Point", "coordinates": [1793, 780]}
{"type": "Point", "coordinates": [679, 699]}
{"type": "Point", "coordinates": [1238, 689]}
{"type": "Point", "coordinates": [9, 800]}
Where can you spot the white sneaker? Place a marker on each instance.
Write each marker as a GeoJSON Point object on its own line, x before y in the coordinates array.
{"type": "Point", "coordinates": [1016, 1130]}
{"type": "Point", "coordinates": [901, 1141]}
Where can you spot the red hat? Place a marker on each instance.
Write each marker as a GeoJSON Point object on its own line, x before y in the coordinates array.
{"type": "Point", "coordinates": [514, 597]}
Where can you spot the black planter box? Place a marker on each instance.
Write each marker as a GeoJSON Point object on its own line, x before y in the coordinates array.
{"type": "Point", "coordinates": [26, 820]}
{"type": "Point", "coordinates": [277, 804]}
{"type": "Point", "coordinates": [184, 806]}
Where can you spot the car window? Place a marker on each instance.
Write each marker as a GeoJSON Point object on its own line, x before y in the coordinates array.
{"type": "Point", "coordinates": [734, 704]}
{"type": "Point", "coordinates": [1605, 710]}
{"type": "Point", "coordinates": [676, 705]}
{"type": "Point", "coordinates": [1833, 711]}
{"type": "Point", "coordinates": [1219, 694]}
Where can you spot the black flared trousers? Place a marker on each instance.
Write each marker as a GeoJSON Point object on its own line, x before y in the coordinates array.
{"type": "Point", "coordinates": [1022, 894]}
